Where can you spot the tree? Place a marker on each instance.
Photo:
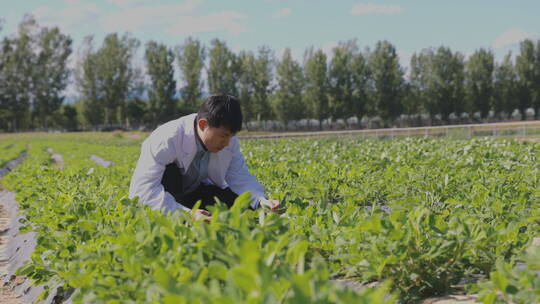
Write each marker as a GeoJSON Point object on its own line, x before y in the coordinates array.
{"type": "Point", "coordinates": [17, 61]}
{"type": "Point", "coordinates": [117, 74]}
{"type": "Point", "coordinates": [159, 64]}
{"type": "Point", "coordinates": [387, 76]}
{"type": "Point", "coordinates": [341, 79]}
{"type": "Point", "coordinates": [5, 54]}
{"type": "Point", "coordinates": [505, 94]}
{"type": "Point", "coordinates": [411, 105]}
{"type": "Point", "coordinates": [361, 81]}
{"type": "Point", "coordinates": [450, 69]}
{"type": "Point", "coordinates": [262, 83]}
{"type": "Point", "coordinates": [50, 73]}
{"type": "Point", "coordinates": [191, 56]}
{"type": "Point", "coordinates": [246, 84]}
{"type": "Point", "coordinates": [479, 81]}
{"type": "Point", "coordinates": [33, 74]}
{"type": "Point", "coordinates": [418, 84]}
{"type": "Point", "coordinates": [527, 76]}
{"type": "Point", "coordinates": [316, 85]}
{"type": "Point", "coordinates": [437, 76]}
{"type": "Point", "coordinates": [536, 86]}
{"type": "Point", "coordinates": [223, 69]}
{"type": "Point", "coordinates": [82, 123]}
{"type": "Point", "coordinates": [136, 110]}
{"type": "Point", "coordinates": [69, 115]}
{"type": "Point", "coordinates": [3, 111]}
{"type": "Point", "coordinates": [89, 84]}
{"type": "Point", "coordinates": [287, 100]}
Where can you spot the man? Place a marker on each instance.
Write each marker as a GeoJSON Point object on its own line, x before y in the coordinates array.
{"type": "Point", "coordinates": [196, 157]}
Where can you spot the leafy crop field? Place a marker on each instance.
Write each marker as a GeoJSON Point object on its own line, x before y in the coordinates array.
{"type": "Point", "coordinates": [408, 218]}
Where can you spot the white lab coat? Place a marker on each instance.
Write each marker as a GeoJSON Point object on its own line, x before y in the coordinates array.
{"type": "Point", "coordinates": [174, 141]}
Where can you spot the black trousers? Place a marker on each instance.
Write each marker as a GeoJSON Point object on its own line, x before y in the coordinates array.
{"type": "Point", "coordinates": [172, 182]}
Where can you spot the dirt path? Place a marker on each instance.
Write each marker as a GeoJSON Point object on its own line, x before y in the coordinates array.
{"type": "Point", "coordinates": [134, 135]}
{"type": "Point", "coordinates": [530, 139]}
{"type": "Point", "coordinates": [7, 296]}
{"type": "Point", "coordinates": [58, 159]}
{"type": "Point", "coordinates": [452, 299]}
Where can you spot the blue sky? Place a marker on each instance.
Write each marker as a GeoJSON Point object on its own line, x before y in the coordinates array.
{"type": "Point", "coordinates": [245, 25]}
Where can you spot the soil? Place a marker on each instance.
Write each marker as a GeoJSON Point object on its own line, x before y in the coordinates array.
{"type": "Point", "coordinates": [529, 139]}
{"type": "Point", "coordinates": [134, 135]}
{"type": "Point", "coordinates": [452, 299]}
{"type": "Point", "coordinates": [7, 296]}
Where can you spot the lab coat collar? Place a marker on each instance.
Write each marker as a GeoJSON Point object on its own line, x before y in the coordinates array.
{"type": "Point", "coordinates": [188, 142]}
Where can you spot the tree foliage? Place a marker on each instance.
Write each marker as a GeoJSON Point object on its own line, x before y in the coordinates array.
{"type": "Point", "coordinates": [528, 72]}
{"type": "Point", "coordinates": [262, 86]}
{"type": "Point", "coordinates": [341, 79]}
{"type": "Point", "coordinates": [16, 84]}
{"type": "Point", "coordinates": [316, 85]}
{"type": "Point", "coordinates": [288, 103]}
{"type": "Point", "coordinates": [161, 94]}
{"type": "Point", "coordinates": [191, 56]}
{"type": "Point", "coordinates": [505, 85]}
{"type": "Point", "coordinates": [388, 82]}
{"type": "Point", "coordinates": [437, 78]}
{"type": "Point", "coordinates": [51, 73]}
{"type": "Point", "coordinates": [107, 77]}
{"type": "Point", "coordinates": [479, 81]}
{"type": "Point", "coordinates": [223, 69]}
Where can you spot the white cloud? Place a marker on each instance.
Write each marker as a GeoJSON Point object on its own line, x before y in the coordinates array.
{"type": "Point", "coordinates": [368, 9]}
{"type": "Point", "coordinates": [227, 21]}
{"type": "Point", "coordinates": [178, 19]}
{"type": "Point", "coordinates": [74, 16]}
{"type": "Point", "coordinates": [510, 37]}
{"type": "Point", "coordinates": [282, 13]}
{"type": "Point", "coordinates": [148, 16]}
{"type": "Point", "coordinates": [128, 2]}
{"type": "Point", "coordinates": [133, 16]}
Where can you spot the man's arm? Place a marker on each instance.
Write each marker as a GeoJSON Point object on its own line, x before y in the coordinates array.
{"type": "Point", "coordinates": [156, 152]}
{"type": "Point", "coordinates": [240, 179]}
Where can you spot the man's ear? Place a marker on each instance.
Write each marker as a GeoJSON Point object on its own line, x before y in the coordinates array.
{"type": "Point", "coordinates": [203, 123]}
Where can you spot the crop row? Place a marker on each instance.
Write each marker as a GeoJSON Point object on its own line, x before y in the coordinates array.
{"type": "Point", "coordinates": [10, 149]}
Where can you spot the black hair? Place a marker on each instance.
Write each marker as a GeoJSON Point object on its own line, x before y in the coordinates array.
{"type": "Point", "coordinates": [222, 110]}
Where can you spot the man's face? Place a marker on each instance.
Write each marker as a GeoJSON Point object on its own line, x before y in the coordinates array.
{"type": "Point", "coordinates": [215, 139]}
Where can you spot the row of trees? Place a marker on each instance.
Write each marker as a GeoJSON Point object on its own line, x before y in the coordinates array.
{"type": "Point", "coordinates": [443, 82]}
{"type": "Point", "coordinates": [33, 76]}
{"type": "Point", "coordinates": [115, 91]}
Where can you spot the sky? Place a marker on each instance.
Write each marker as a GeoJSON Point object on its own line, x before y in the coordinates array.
{"type": "Point", "coordinates": [410, 25]}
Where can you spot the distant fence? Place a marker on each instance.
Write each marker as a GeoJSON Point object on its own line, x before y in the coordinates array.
{"type": "Point", "coordinates": [504, 129]}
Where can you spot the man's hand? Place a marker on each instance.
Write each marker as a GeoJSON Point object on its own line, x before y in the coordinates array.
{"type": "Point", "coordinates": [202, 214]}
{"type": "Point", "coordinates": [273, 204]}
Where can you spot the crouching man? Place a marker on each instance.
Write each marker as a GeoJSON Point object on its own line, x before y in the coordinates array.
{"type": "Point", "coordinates": [197, 157]}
